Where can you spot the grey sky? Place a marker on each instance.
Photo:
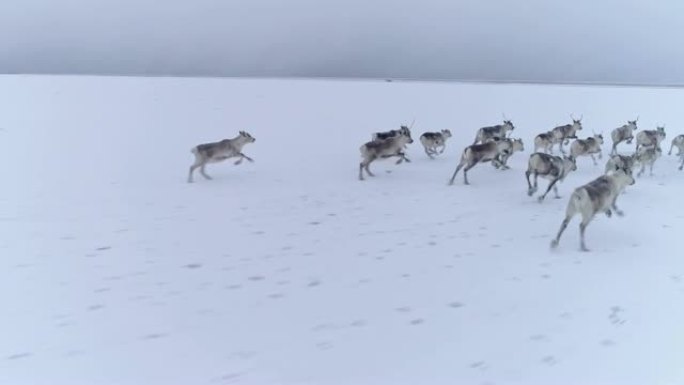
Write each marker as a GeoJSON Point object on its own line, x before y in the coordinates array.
{"type": "Point", "coordinates": [622, 41]}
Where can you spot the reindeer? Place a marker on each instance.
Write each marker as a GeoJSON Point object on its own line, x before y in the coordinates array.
{"type": "Point", "coordinates": [489, 132]}
{"type": "Point", "coordinates": [588, 146]}
{"type": "Point", "coordinates": [597, 196]}
{"type": "Point", "coordinates": [433, 140]}
{"type": "Point", "coordinates": [553, 168]}
{"type": "Point", "coordinates": [480, 153]}
{"type": "Point", "coordinates": [511, 146]}
{"type": "Point", "coordinates": [621, 162]}
{"type": "Point", "coordinates": [382, 149]}
{"type": "Point", "coordinates": [563, 134]}
{"type": "Point", "coordinates": [652, 138]}
{"type": "Point", "coordinates": [215, 152]}
{"type": "Point", "coordinates": [624, 133]}
{"type": "Point", "coordinates": [678, 142]}
{"type": "Point", "coordinates": [647, 156]}
{"type": "Point", "coordinates": [545, 141]}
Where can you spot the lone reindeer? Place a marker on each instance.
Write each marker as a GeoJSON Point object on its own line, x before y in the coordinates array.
{"type": "Point", "coordinates": [216, 152]}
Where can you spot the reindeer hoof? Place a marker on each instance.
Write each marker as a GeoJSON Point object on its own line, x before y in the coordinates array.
{"type": "Point", "coordinates": [554, 244]}
{"type": "Point", "coordinates": [584, 248]}
{"type": "Point", "coordinates": [609, 213]}
{"type": "Point", "coordinates": [620, 213]}
{"type": "Point", "coordinates": [540, 199]}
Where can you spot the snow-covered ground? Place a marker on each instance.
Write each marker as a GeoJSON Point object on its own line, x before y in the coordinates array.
{"type": "Point", "coordinates": [289, 270]}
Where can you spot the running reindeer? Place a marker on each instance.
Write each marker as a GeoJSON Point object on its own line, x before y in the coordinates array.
{"type": "Point", "coordinates": [545, 141]}
{"type": "Point", "coordinates": [595, 197]}
{"type": "Point", "coordinates": [510, 146]}
{"type": "Point", "coordinates": [553, 168]}
{"type": "Point", "coordinates": [216, 152]}
{"type": "Point", "coordinates": [650, 138]}
{"type": "Point", "coordinates": [382, 149]}
{"type": "Point", "coordinates": [499, 131]}
{"type": "Point", "coordinates": [588, 146]}
{"type": "Point", "coordinates": [627, 163]}
{"type": "Point", "coordinates": [563, 134]}
{"type": "Point", "coordinates": [624, 133]}
{"type": "Point", "coordinates": [480, 153]}
{"type": "Point", "coordinates": [647, 156]}
{"type": "Point", "coordinates": [678, 142]}
{"type": "Point", "coordinates": [431, 141]}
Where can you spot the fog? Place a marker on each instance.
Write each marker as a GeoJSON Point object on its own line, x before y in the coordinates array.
{"type": "Point", "coordinates": [611, 41]}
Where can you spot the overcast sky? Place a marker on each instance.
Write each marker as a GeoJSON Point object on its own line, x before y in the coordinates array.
{"type": "Point", "coordinates": [616, 41]}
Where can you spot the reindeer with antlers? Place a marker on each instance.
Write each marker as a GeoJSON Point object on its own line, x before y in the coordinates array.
{"type": "Point", "coordinates": [500, 131]}
{"type": "Point", "coordinates": [624, 133]}
{"type": "Point", "coordinates": [563, 134]}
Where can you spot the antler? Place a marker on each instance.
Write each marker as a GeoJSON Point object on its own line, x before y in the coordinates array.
{"type": "Point", "coordinates": [413, 121]}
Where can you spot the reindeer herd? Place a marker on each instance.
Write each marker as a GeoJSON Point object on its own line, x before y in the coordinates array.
{"type": "Point", "coordinates": [494, 145]}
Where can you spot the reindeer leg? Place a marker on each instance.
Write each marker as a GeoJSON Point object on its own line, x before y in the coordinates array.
{"type": "Point", "coordinates": [204, 174]}
{"type": "Point", "coordinates": [564, 225]}
{"type": "Point", "coordinates": [465, 172]}
{"type": "Point", "coordinates": [192, 169]}
{"type": "Point", "coordinates": [681, 165]}
{"type": "Point", "coordinates": [429, 153]}
{"type": "Point", "coordinates": [670, 152]}
{"type": "Point", "coordinates": [243, 156]}
{"type": "Point", "coordinates": [593, 159]}
{"type": "Point", "coordinates": [551, 185]}
{"type": "Point", "coordinates": [650, 170]}
{"type": "Point", "coordinates": [555, 191]}
{"type": "Point", "coordinates": [451, 181]}
{"type": "Point", "coordinates": [530, 190]}
{"type": "Point", "coordinates": [583, 227]}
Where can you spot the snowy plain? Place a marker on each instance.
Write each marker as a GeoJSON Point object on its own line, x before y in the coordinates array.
{"type": "Point", "coordinates": [289, 270]}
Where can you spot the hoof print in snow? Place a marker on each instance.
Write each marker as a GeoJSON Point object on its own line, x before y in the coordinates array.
{"type": "Point", "coordinates": [403, 309]}
{"type": "Point", "coordinates": [358, 323]}
{"type": "Point", "coordinates": [608, 343]}
{"type": "Point", "coordinates": [276, 295]}
{"type": "Point", "coordinates": [324, 345]}
{"type": "Point", "coordinates": [538, 337]}
{"type": "Point", "coordinates": [549, 360]}
{"type": "Point", "coordinates": [193, 266]}
{"type": "Point", "coordinates": [314, 283]}
{"type": "Point", "coordinates": [257, 278]}
{"type": "Point", "coordinates": [614, 316]}
{"type": "Point", "coordinates": [456, 305]}
{"type": "Point", "coordinates": [103, 248]}
{"type": "Point", "coordinates": [95, 307]}
{"type": "Point", "coordinates": [153, 336]}
{"type": "Point", "coordinates": [417, 321]}
{"type": "Point", "coordinates": [19, 356]}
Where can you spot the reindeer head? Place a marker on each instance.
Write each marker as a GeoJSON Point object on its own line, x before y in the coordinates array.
{"type": "Point", "coordinates": [518, 145]}
{"type": "Point", "coordinates": [623, 178]}
{"type": "Point", "coordinates": [446, 133]}
{"type": "Point", "coordinates": [576, 123]}
{"type": "Point", "coordinates": [508, 125]}
{"type": "Point", "coordinates": [632, 124]}
{"type": "Point", "coordinates": [245, 135]}
{"type": "Point", "coordinates": [405, 132]}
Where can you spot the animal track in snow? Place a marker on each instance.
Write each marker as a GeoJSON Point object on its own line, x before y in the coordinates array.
{"type": "Point", "coordinates": [614, 315]}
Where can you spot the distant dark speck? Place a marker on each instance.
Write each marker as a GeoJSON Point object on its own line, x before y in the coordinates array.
{"type": "Point", "coordinates": [193, 265]}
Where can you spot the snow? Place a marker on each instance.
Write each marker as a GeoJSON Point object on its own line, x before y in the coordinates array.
{"type": "Point", "coordinates": [290, 270]}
